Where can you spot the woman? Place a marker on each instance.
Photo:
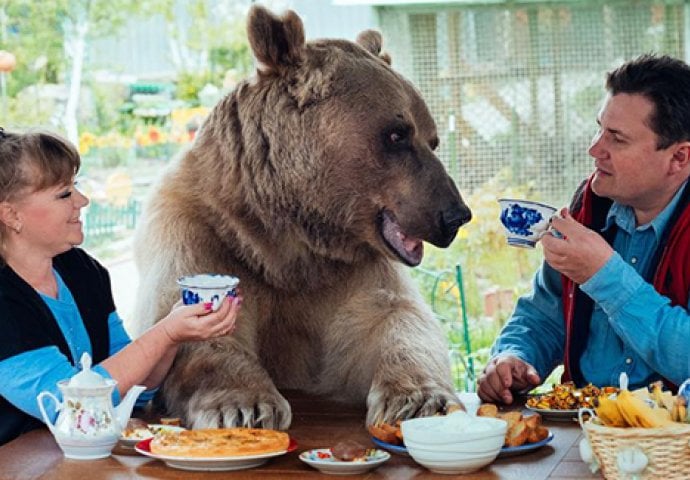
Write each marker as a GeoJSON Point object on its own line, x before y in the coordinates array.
{"type": "Point", "coordinates": [55, 300]}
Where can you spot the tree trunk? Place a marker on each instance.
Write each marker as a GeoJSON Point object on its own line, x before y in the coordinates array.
{"type": "Point", "coordinates": [75, 45]}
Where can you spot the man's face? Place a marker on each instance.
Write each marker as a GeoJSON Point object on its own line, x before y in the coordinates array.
{"type": "Point", "coordinates": [629, 168]}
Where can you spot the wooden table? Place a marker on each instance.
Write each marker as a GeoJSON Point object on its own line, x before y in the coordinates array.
{"type": "Point", "coordinates": [316, 423]}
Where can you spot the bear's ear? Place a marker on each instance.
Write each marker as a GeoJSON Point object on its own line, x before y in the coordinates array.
{"type": "Point", "coordinates": [371, 40]}
{"type": "Point", "coordinates": [277, 42]}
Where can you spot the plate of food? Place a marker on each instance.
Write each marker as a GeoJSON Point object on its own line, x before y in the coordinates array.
{"type": "Point", "coordinates": [393, 448]}
{"type": "Point", "coordinates": [525, 433]}
{"type": "Point", "coordinates": [218, 449]}
{"type": "Point", "coordinates": [525, 447]}
{"type": "Point", "coordinates": [506, 451]}
{"type": "Point", "coordinates": [138, 430]}
{"type": "Point", "coordinates": [556, 415]}
{"type": "Point", "coordinates": [564, 400]}
{"type": "Point", "coordinates": [345, 458]}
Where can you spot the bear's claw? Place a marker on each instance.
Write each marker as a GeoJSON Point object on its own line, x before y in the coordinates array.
{"type": "Point", "coordinates": [239, 409]}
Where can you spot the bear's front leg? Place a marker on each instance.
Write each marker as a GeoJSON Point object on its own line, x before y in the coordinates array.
{"type": "Point", "coordinates": [412, 376]}
{"type": "Point", "coordinates": [218, 384]}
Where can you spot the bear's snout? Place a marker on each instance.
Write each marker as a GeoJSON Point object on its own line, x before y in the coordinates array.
{"type": "Point", "coordinates": [452, 218]}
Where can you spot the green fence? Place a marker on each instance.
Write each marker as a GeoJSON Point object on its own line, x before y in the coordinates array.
{"type": "Point", "coordinates": [517, 84]}
{"type": "Point", "coordinates": [105, 220]}
{"type": "Point", "coordinates": [446, 292]}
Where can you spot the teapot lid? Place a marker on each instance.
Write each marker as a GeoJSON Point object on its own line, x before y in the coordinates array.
{"type": "Point", "coordinates": [87, 377]}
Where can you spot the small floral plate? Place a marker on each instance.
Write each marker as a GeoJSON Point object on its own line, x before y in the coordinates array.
{"type": "Point", "coordinates": [323, 460]}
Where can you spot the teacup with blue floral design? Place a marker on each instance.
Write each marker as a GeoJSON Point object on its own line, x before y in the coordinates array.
{"type": "Point", "coordinates": [208, 288]}
{"type": "Point", "coordinates": [525, 221]}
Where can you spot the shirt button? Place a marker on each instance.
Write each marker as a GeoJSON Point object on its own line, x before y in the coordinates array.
{"type": "Point", "coordinates": [628, 360]}
{"type": "Point", "coordinates": [633, 260]}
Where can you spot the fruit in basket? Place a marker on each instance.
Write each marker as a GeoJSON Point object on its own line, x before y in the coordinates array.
{"type": "Point", "coordinates": [608, 412]}
{"type": "Point", "coordinates": [679, 410]}
{"type": "Point", "coordinates": [638, 414]}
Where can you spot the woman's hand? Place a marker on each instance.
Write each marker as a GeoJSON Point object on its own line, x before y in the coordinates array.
{"type": "Point", "coordinates": [195, 322]}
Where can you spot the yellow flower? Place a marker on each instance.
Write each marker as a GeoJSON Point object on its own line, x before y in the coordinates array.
{"type": "Point", "coordinates": [86, 141]}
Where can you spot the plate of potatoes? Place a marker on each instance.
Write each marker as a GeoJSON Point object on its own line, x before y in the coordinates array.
{"type": "Point", "coordinates": [525, 432]}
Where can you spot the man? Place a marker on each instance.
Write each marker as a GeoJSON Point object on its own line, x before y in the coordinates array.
{"type": "Point", "coordinates": [612, 294]}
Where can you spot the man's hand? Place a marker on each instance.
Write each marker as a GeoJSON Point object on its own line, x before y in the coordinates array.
{"type": "Point", "coordinates": [504, 373]}
{"type": "Point", "coordinates": [579, 253]}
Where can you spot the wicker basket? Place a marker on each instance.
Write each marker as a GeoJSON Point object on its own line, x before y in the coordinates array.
{"type": "Point", "coordinates": [667, 449]}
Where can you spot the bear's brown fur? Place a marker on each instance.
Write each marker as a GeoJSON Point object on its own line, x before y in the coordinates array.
{"type": "Point", "coordinates": [313, 182]}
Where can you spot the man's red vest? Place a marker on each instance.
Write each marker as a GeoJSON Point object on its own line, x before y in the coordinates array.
{"type": "Point", "coordinates": [671, 275]}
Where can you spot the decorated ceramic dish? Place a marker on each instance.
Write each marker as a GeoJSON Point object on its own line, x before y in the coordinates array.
{"type": "Point", "coordinates": [323, 460]}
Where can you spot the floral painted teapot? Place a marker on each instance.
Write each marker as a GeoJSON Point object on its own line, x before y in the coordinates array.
{"type": "Point", "coordinates": [88, 425]}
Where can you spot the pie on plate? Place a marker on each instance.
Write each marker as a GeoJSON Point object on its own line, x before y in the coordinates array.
{"type": "Point", "coordinates": [219, 442]}
{"type": "Point", "coordinates": [211, 464]}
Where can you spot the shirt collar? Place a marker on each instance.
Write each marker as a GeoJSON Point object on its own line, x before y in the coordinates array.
{"type": "Point", "coordinates": [624, 216]}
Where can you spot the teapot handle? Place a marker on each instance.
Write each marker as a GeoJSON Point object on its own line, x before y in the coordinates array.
{"type": "Point", "coordinates": [58, 407]}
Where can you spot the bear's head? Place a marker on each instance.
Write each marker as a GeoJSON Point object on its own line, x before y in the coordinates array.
{"type": "Point", "coordinates": [332, 150]}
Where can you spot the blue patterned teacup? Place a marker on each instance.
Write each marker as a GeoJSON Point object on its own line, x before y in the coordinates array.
{"type": "Point", "coordinates": [208, 288]}
{"type": "Point", "coordinates": [525, 221]}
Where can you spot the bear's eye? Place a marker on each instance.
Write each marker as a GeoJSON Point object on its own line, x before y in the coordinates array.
{"type": "Point", "coordinates": [397, 137]}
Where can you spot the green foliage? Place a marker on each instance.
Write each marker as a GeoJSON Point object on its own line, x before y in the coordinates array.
{"type": "Point", "coordinates": [37, 31]}
{"type": "Point", "coordinates": [189, 84]}
{"type": "Point", "coordinates": [481, 247]}
{"type": "Point", "coordinates": [487, 263]}
{"type": "Point", "coordinates": [107, 117]}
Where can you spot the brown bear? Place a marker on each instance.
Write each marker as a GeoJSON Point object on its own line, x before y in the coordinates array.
{"type": "Point", "coordinates": [315, 182]}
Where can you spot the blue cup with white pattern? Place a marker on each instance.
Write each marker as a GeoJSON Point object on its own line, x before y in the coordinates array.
{"type": "Point", "coordinates": [525, 221]}
{"type": "Point", "coordinates": [207, 288]}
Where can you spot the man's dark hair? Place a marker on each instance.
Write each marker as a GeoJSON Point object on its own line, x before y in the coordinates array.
{"type": "Point", "coordinates": [665, 81]}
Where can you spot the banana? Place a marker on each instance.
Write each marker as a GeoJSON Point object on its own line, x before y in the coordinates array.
{"type": "Point", "coordinates": [662, 415]}
{"type": "Point", "coordinates": [637, 413]}
{"type": "Point", "coordinates": [608, 412]}
{"type": "Point", "coordinates": [657, 394]}
{"type": "Point", "coordinates": [682, 410]}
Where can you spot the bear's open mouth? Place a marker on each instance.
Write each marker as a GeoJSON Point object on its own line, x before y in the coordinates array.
{"type": "Point", "coordinates": [409, 249]}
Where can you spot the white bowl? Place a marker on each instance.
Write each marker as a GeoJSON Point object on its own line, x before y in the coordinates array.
{"type": "Point", "coordinates": [454, 444]}
{"type": "Point", "coordinates": [441, 455]}
{"type": "Point", "coordinates": [453, 466]}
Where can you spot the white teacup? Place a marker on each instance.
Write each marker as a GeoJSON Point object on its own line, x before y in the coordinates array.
{"type": "Point", "coordinates": [525, 221]}
{"type": "Point", "coordinates": [207, 288]}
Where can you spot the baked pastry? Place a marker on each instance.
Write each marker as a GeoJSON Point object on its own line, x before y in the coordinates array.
{"type": "Point", "coordinates": [349, 451]}
{"type": "Point", "coordinates": [137, 429]}
{"type": "Point", "coordinates": [219, 442]}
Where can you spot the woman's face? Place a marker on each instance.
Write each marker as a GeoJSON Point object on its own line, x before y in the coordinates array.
{"type": "Point", "coordinates": [50, 218]}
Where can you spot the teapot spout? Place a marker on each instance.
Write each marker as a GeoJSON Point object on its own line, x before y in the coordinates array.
{"type": "Point", "coordinates": [124, 409]}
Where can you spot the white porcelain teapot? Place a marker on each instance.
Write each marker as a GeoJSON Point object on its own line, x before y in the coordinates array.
{"type": "Point", "coordinates": [88, 425]}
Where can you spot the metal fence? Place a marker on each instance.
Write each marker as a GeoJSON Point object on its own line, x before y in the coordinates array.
{"type": "Point", "coordinates": [517, 85]}
{"type": "Point", "coordinates": [104, 220]}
